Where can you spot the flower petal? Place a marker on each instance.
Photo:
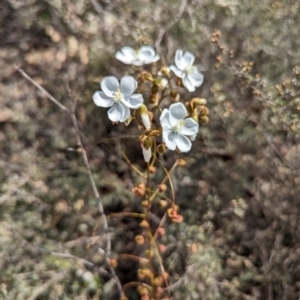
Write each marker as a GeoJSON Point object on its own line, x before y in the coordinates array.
{"type": "Point", "coordinates": [155, 58]}
{"type": "Point", "coordinates": [164, 118]}
{"type": "Point", "coordinates": [179, 62]}
{"type": "Point", "coordinates": [193, 137]}
{"type": "Point", "coordinates": [126, 55]}
{"type": "Point", "coordinates": [126, 113]}
{"type": "Point", "coordinates": [128, 85]}
{"type": "Point", "coordinates": [169, 139]}
{"type": "Point", "coordinates": [188, 84]}
{"type": "Point", "coordinates": [134, 101]}
{"type": "Point", "coordinates": [183, 143]}
{"type": "Point", "coordinates": [196, 77]}
{"type": "Point", "coordinates": [147, 55]}
{"type": "Point", "coordinates": [188, 59]}
{"type": "Point", "coordinates": [167, 121]}
{"type": "Point", "coordinates": [178, 111]}
{"type": "Point", "coordinates": [116, 112]}
{"type": "Point", "coordinates": [177, 71]}
{"type": "Point", "coordinates": [110, 85]}
{"type": "Point", "coordinates": [100, 99]}
{"type": "Point", "coordinates": [147, 154]}
{"type": "Point", "coordinates": [190, 127]}
{"type": "Point", "coordinates": [137, 63]}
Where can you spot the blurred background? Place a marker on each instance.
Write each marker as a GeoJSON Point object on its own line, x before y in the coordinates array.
{"type": "Point", "coordinates": [238, 193]}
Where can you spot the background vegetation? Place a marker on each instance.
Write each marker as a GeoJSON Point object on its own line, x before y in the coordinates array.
{"type": "Point", "coordinates": [239, 192]}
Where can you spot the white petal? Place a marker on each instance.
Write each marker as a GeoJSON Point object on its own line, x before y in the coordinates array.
{"type": "Point", "coordinates": [188, 84]}
{"type": "Point", "coordinates": [178, 111]}
{"type": "Point", "coordinates": [100, 99]}
{"type": "Point", "coordinates": [167, 121]}
{"type": "Point", "coordinates": [147, 55]}
{"type": "Point", "coordinates": [126, 113]}
{"type": "Point", "coordinates": [183, 143]}
{"type": "Point", "coordinates": [190, 127]}
{"type": "Point", "coordinates": [177, 71]}
{"type": "Point", "coordinates": [179, 62]}
{"type": "Point", "coordinates": [155, 58]}
{"type": "Point", "coordinates": [128, 85]}
{"type": "Point", "coordinates": [137, 63]}
{"type": "Point", "coordinates": [146, 120]}
{"type": "Point", "coordinates": [110, 85]}
{"type": "Point", "coordinates": [148, 50]}
{"type": "Point", "coordinates": [147, 154]}
{"type": "Point", "coordinates": [134, 101]}
{"type": "Point", "coordinates": [164, 119]}
{"type": "Point", "coordinates": [126, 55]}
{"type": "Point", "coordinates": [193, 137]}
{"type": "Point", "coordinates": [188, 58]}
{"type": "Point", "coordinates": [169, 139]}
{"type": "Point", "coordinates": [116, 112]}
{"type": "Point", "coordinates": [196, 77]}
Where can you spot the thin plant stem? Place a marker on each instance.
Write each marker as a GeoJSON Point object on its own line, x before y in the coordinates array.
{"type": "Point", "coordinates": [89, 172]}
{"type": "Point", "coordinates": [164, 181]}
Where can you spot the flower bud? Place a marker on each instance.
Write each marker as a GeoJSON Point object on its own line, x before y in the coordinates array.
{"type": "Point", "coordinates": [163, 203]}
{"type": "Point", "coordinates": [175, 97]}
{"type": "Point", "coordinates": [143, 291]}
{"type": "Point", "coordinates": [152, 169]}
{"type": "Point", "coordinates": [158, 281]}
{"type": "Point", "coordinates": [142, 112]}
{"type": "Point", "coordinates": [145, 76]}
{"type": "Point", "coordinates": [161, 231]}
{"type": "Point", "coordinates": [203, 111]}
{"type": "Point", "coordinates": [146, 203]}
{"type": "Point", "coordinates": [162, 187]}
{"type": "Point", "coordinates": [172, 213]}
{"type": "Point", "coordinates": [204, 120]}
{"type": "Point", "coordinates": [162, 248]}
{"type": "Point", "coordinates": [148, 143]}
{"type": "Point", "coordinates": [161, 148]}
{"type": "Point", "coordinates": [144, 224]}
{"type": "Point", "coordinates": [139, 190]}
{"type": "Point", "coordinates": [149, 253]}
{"type": "Point", "coordinates": [139, 239]}
{"type": "Point", "coordinates": [164, 71]}
{"type": "Point", "coordinates": [146, 148]}
{"type": "Point", "coordinates": [161, 82]}
{"type": "Point", "coordinates": [177, 219]}
{"type": "Point", "coordinates": [181, 162]}
{"type": "Point", "coordinates": [198, 101]}
{"type": "Point", "coordinates": [179, 82]}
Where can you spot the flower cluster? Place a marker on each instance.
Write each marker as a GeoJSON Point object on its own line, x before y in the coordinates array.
{"type": "Point", "coordinates": [179, 124]}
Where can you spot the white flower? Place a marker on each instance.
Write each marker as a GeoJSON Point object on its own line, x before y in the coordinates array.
{"type": "Point", "coordinates": [146, 153]}
{"type": "Point", "coordinates": [146, 120]}
{"type": "Point", "coordinates": [175, 127]}
{"type": "Point", "coordinates": [191, 76]}
{"type": "Point", "coordinates": [142, 56]}
{"type": "Point", "coordinates": [119, 97]}
{"type": "Point", "coordinates": [162, 82]}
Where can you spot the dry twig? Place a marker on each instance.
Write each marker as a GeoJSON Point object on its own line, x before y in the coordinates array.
{"type": "Point", "coordinates": [88, 168]}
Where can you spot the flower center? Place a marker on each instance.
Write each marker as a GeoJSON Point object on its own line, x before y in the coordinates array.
{"type": "Point", "coordinates": [177, 127]}
{"type": "Point", "coordinates": [189, 70]}
{"type": "Point", "coordinates": [118, 96]}
{"type": "Point", "coordinates": [137, 54]}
